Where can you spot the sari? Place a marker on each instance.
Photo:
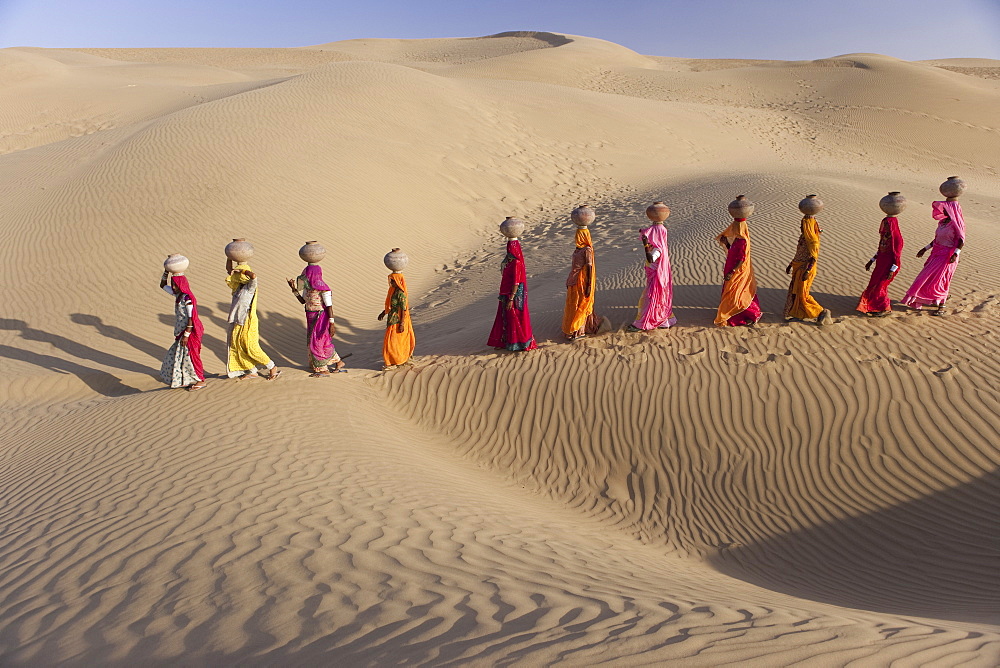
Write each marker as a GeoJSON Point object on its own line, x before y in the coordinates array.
{"type": "Point", "coordinates": [182, 365]}
{"type": "Point", "coordinates": [399, 342]}
{"type": "Point", "coordinates": [739, 305]}
{"type": "Point", "coordinates": [245, 353]}
{"type": "Point", "coordinates": [875, 298]}
{"type": "Point", "coordinates": [932, 284]}
{"type": "Point", "coordinates": [315, 292]}
{"type": "Point", "coordinates": [799, 303]}
{"type": "Point", "coordinates": [580, 287]}
{"type": "Point", "coordinates": [656, 304]}
{"type": "Point", "coordinates": [512, 326]}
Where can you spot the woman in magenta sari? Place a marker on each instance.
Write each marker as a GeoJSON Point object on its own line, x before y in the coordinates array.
{"type": "Point", "coordinates": [182, 366]}
{"type": "Point", "coordinates": [930, 288]}
{"type": "Point", "coordinates": [313, 292]}
{"type": "Point", "coordinates": [512, 326]}
{"type": "Point", "coordinates": [875, 299]}
{"type": "Point", "coordinates": [656, 305]}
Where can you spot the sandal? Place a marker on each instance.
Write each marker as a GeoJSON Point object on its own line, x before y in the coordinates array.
{"type": "Point", "coordinates": [272, 376]}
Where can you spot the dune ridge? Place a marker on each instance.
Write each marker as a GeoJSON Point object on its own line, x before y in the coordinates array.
{"type": "Point", "coordinates": [794, 493]}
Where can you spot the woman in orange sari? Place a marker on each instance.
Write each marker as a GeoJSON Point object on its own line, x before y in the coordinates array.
{"type": "Point", "coordinates": [580, 285]}
{"type": "Point", "coordinates": [739, 305]}
{"type": "Point", "coordinates": [399, 341]}
{"type": "Point", "coordinates": [800, 304]}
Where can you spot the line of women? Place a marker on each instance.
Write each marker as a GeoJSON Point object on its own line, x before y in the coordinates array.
{"type": "Point", "coordinates": [738, 305]}
{"type": "Point", "coordinates": [182, 366]}
{"type": "Point", "coordinates": [512, 328]}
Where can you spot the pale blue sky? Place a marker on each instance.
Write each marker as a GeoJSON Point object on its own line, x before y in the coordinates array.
{"type": "Point", "coordinates": [780, 29]}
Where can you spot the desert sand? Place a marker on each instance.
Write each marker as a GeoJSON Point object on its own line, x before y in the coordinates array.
{"type": "Point", "coordinates": [792, 494]}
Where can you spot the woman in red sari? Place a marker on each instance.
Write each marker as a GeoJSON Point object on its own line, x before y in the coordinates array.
{"type": "Point", "coordinates": [512, 326]}
{"type": "Point", "coordinates": [738, 306]}
{"type": "Point", "coordinates": [875, 300]}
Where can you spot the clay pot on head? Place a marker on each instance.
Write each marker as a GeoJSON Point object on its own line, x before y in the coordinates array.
{"type": "Point", "coordinates": [741, 207]}
{"type": "Point", "coordinates": [176, 264]}
{"type": "Point", "coordinates": [953, 187]}
{"type": "Point", "coordinates": [583, 215]}
{"type": "Point", "coordinates": [512, 228]}
{"type": "Point", "coordinates": [239, 250]}
{"type": "Point", "coordinates": [657, 212]}
{"type": "Point", "coordinates": [811, 205]}
{"type": "Point", "coordinates": [892, 204]}
{"type": "Point", "coordinates": [396, 260]}
{"type": "Point", "coordinates": [312, 252]}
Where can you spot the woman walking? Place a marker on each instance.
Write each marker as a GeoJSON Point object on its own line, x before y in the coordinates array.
{"type": "Point", "coordinates": [739, 305]}
{"type": "Point", "coordinates": [245, 353]}
{"type": "Point", "coordinates": [512, 325]}
{"type": "Point", "coordinates": [800, 304]}
{"type": "Point", "coordinates": [399, 341]}
{"type": "Point", "coordinates": [579, 310]}
{"type": "Point", "coordinates": [932, 284]}
{"type": "Point", "coordinates": [875, 300]}
{"type": "Point", "coordinates": [656, 304]}
{"type": "Point", "coordinates": [182, 365]}
{"type": "Point", "coordinates": [315, 295]}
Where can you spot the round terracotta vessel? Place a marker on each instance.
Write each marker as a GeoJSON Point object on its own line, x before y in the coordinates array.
{"type": "Point", "coordinates": [239, 250]}
{"type": "Point", "coordinates": [953, 187]}
{"type": "Point", "coordinates": [583, 215]}
{"type": "Point", "coordinates": [512, 228]}
{"type": "Point", "coordinates": [396, 260]}
{"type": "Point", "coordinates": [176, 264]}
{"type": "Point", "coordinates": [312, 252]}
{"type": "Point", "coordinates": [657, 212]}
{"type": "Point", "coordinates": [811, 205]}
{"type": "Point", "coordinates": [892, 204]}
{"type": "Point", "coordinates": [741, 207]}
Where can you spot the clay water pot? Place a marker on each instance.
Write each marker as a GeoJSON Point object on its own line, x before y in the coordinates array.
{"type": "Point", "coordinates": [892, 204]}
{"type": "Point", "coordinates": [396, 260]}
{"type": "Point", "coordinates": [176, 264]}
{"type": "Point", "coordinates": [741, 207]}
{"type": "Point", "coordinates": [239, 250]}
{"type": "Point", "coordinates": [312, 252]}
{"type": "Point", "coordinates": [953, 187]}
{"type": "Point", "coordinates": [512, 228]}
{"type": "Point", "coordinates": [583, 215]}
{"type": "Point", "coordinates": [657, 212]}
{"type": "Point", "coordinates": [811, 205]}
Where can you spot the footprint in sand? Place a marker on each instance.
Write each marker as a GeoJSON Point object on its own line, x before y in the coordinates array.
{"type": "Point", "coordinates": [690, 354]}
{"type": "Point", "coordinates": [901, 359]}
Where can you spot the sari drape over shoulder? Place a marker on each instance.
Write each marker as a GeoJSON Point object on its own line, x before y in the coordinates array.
{"type": "Point", "coordinates": [739, 305]}
{"type": "Point", "coordinates": [799, 303]}
{"type": "Point", "coordinates": [399, 342]}
{"type": "Point", "coordinates": [316, 293]}
{"type": "Point", "coordinates": [932, 284]}
{"type": "Point", "coordinates": [875, 298]}
{"type": "Point", "coordinates": [182, 365]}
{"type": "Point", "coordinates": [512, 326]}
{"type": "Point", "coordinates": [656, 304]}
{"type": "Point", "coordinates": [580, 286]}
{"type": "Point", "coordinates": [245, 353]}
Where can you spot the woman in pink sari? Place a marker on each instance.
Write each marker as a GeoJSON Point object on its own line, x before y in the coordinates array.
{"type": "Point", "coordinates": [875, 299]}
{"type": "Point", "coordinates": [656, 305]}
{"type": "Point", "coordinates": [930, 288]}
{"type": "Point", "coordinates": [512, 326]}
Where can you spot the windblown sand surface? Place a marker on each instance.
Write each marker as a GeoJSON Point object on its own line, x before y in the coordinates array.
{"type": "Point", "coordinates": [791, 494]}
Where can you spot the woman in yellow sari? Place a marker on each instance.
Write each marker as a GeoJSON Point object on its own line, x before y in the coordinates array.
{"type": "Point", "coordinates": [245, 353]}
{"type": "Point", "coordinates": [580, 288]}
{"type": "Point", "coordinates": [800, 304]}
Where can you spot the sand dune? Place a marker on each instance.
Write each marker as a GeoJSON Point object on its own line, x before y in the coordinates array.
{"type": "Point", "coordinates": [708, 497]}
